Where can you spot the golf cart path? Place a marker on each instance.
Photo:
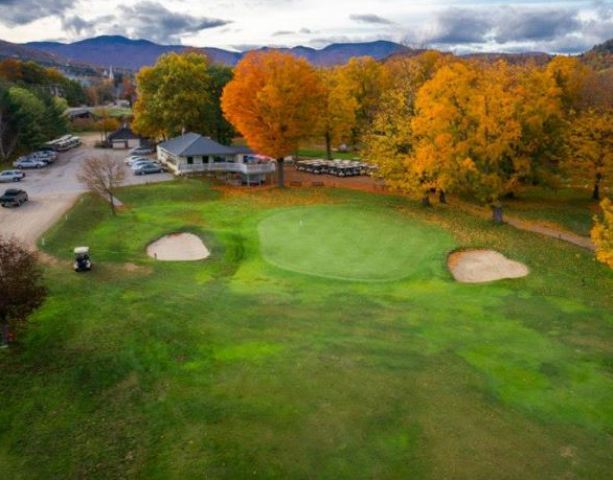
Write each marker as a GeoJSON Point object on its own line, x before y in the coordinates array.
{"type": "Point", "coordinates": [547, 230]}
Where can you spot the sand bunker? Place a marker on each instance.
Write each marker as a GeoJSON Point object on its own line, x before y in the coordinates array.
{"type": "Point", "coordinates": [178, 247]}
{"type": "Point", "coordinates": [476, 266]}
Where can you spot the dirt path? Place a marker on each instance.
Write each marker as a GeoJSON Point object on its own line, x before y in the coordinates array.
{"type": "Point", "coordinates": [368, 184]}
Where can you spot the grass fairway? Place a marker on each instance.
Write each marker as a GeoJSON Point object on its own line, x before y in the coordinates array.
{"type": "Point", "coordinates": [235, 368]}
{"type": "Point", "coordinates": [350, 243]}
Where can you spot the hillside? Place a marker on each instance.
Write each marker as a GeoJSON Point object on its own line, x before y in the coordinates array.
{"type": "Point", "coordinates": [21, 52]}
{"type": "Point", "coordinates": [123, 52]}
{"type": "Point", "coordinates": [600, 57]}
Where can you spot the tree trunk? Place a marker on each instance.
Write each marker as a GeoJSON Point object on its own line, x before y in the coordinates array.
{"type": "Point", "coordinates": [425, 200]}
{"type": "Point", "coordinates": [328, 146]}
{"type": "Point", "coordinates": [4, 331]}
{"type": "Point", "coordinates": [442, 197]}
{"type": "Point", "coordinates": [112, 201]}
{"type": "Point", "coordinates": [596, 191]}
{"type": "Point", "coordinates": [280, 172]}
{"type": "Point", "coordinates": [497, 214]}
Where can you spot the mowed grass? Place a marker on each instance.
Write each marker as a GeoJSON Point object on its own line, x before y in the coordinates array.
{"type": "Point", "coordinates": [351, 243]}
{"type": "Point", "coordinates": [236, 368]}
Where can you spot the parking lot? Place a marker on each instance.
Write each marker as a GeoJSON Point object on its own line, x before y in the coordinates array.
{"type": "Point", "coordinates": [53, 189]}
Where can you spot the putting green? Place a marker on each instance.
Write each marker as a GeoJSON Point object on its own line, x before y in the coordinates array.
{"type": "Point", "coordinates": [350, 243]}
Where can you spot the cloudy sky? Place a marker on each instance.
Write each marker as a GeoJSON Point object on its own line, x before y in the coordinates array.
{"type": "Point", "coordinates": [566, 26]}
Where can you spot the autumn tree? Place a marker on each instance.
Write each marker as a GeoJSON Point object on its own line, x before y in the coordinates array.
{"type": "Point", "coordinates": [602, 233]}
{"type": "Point", "coordinates": [466, 133]}
{"type": "Point", "coordinates": [570, 76]}
{"type": "Point", "coordinates": [338, 110]}
{"type": "Point", "coordinates": [364, 79]}
{"type": "Point", "coordinates": [389, 142]}
{"type": "Point", "coordinates": [590, 154]}
{"type": "Point", "coordinates": [540, 111]}
{"type": "Point", "coordinates": [274, 101]}
{"type": "Point", "coordinates": [105, 123]}
{"type": "Point", "coordinates": [21, 286]}
{"type": "Point", "coordinates": [102, 175]}
{"type": "Point", "coordinates": [173, 96]}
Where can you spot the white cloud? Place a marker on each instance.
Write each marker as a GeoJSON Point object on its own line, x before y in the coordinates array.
{"type": "Point", "coordinates": [563, 25]}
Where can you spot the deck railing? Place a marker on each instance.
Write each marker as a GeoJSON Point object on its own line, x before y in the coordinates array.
{"type": "Point", "coordinates": [246, 168]}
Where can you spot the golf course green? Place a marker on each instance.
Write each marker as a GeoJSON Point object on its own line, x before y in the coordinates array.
{"type": "Point", "coordinates": [351, 243]}
{"type": "Point", "coordinates": [323, 338]}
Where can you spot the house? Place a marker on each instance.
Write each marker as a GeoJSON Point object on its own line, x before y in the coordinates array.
{"type": "Point", "coordinates": [192, 153]}
{"type": "Point", "coordinates": [124, 138]}
{"type": "Point", "coordinates": [80, 113]}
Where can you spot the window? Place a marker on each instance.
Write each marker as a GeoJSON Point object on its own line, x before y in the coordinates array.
{"type": "Point", "coordinates": [190, 160]}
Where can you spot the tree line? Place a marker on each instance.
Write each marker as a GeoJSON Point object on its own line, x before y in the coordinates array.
{"type": "Point", "coordinates": [33, 100]}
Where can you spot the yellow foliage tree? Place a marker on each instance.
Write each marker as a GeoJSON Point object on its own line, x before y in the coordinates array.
{"type": "Point", "coordinates": [274, 101]}
{"type": "Point", "coordinates": [173, 95]}
{"type": "Point", "coordinates": [541, 113]}
{"type": "Point", "coordinates": [467, 132]}
{"type": "Point", "coordinates": [590, 156]}
{"type": "Point", "coordinates": [389, 140]}
{"type": "Point", "coordinates": [602, 234]}
{"type": "Point", "coordinates": [338, 112]}
{"type": "Point", "coordinates": [364, 78]}
{"type": "Point", "coordinates": [570, 75]}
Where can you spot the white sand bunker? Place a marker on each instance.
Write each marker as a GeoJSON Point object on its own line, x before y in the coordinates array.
{"type": "Point", "coordinates": [476, 266]}
{"type": "Point", "coordinates": [178, 246]}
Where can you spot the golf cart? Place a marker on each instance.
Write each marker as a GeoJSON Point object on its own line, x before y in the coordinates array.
{"type": "Point", "coordinates": [82, 262]}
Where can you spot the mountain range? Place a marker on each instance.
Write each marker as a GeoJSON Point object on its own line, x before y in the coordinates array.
{"type": "Point", "coordinates": [126, 54]}
{"type": "Point", "coordinates": [134, 54]}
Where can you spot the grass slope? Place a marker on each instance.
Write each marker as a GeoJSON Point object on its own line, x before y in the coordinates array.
{"type": "Point", "coordinates": [234, 368]}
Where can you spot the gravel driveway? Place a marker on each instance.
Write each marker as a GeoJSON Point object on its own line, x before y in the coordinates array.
{"type": "Point", "coordinates": [53, 190]}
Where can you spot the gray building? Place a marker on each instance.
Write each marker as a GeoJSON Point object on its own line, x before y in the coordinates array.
{"type": "Point", "coordinates": [194, 153]}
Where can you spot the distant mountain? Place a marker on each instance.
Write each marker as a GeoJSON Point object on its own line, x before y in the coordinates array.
{"type": "Point", "coordinates": [21, 52]}
{"type": "Point", "coordinates": [123, 52]}
{"type": "Point", "coordinates": [600, 57]}
{"type": "Point", "coordinates": [606, 47]}
{"type": "Point", "coordinates": [538, 58]}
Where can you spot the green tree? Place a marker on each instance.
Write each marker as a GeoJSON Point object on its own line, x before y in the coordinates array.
{"type": "Point", "coordinates": [216, 125]}
{"type": "Point", "coordinates": [173, 96]}
{"type": "Point", "coordinates": [29, 118]}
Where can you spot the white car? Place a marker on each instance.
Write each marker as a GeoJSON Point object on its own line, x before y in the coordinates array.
{"type": "Point", "coordinates": [139, 163]}
{"type": "Point", "coordinates": [11, 176]}
{"type": "Point", "coordinates": [142, 151]}
{"type": "Point", "coordinates": [135, 158]}
{"type": "Point", "coordinates": [29, 163]}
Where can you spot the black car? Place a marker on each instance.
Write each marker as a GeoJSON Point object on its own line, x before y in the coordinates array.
{"type": "Point", "coordinates": [13, 197]}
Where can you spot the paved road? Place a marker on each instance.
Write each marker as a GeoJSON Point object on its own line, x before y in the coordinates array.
{"type": "Point", "coordinates": [53, 190]}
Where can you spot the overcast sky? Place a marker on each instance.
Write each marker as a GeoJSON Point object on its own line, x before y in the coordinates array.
{"type": "Point", "coordinates": [566, 26]}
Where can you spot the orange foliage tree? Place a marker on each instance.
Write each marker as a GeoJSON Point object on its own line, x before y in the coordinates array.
{"type": "Point", "coordinates": [273, 101]}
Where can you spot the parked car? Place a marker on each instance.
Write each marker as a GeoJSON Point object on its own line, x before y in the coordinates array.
{"type": "Point", "coordinates": [142, 151]}
{"type": "Point", "coordinates": [45, 156]}
{"type": "Point", "coordinates": [147, 169]}
{"type": "Point", "coordinates": [11, 176]}
{"type": "Point", "coordinates": [13, 198]}
{"type": "Point", "coordinates": [135, 158]}
{"type": "Point", "coordinates": [29, 163]}
{"type": "Point", "coordinates": [139, 163]}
